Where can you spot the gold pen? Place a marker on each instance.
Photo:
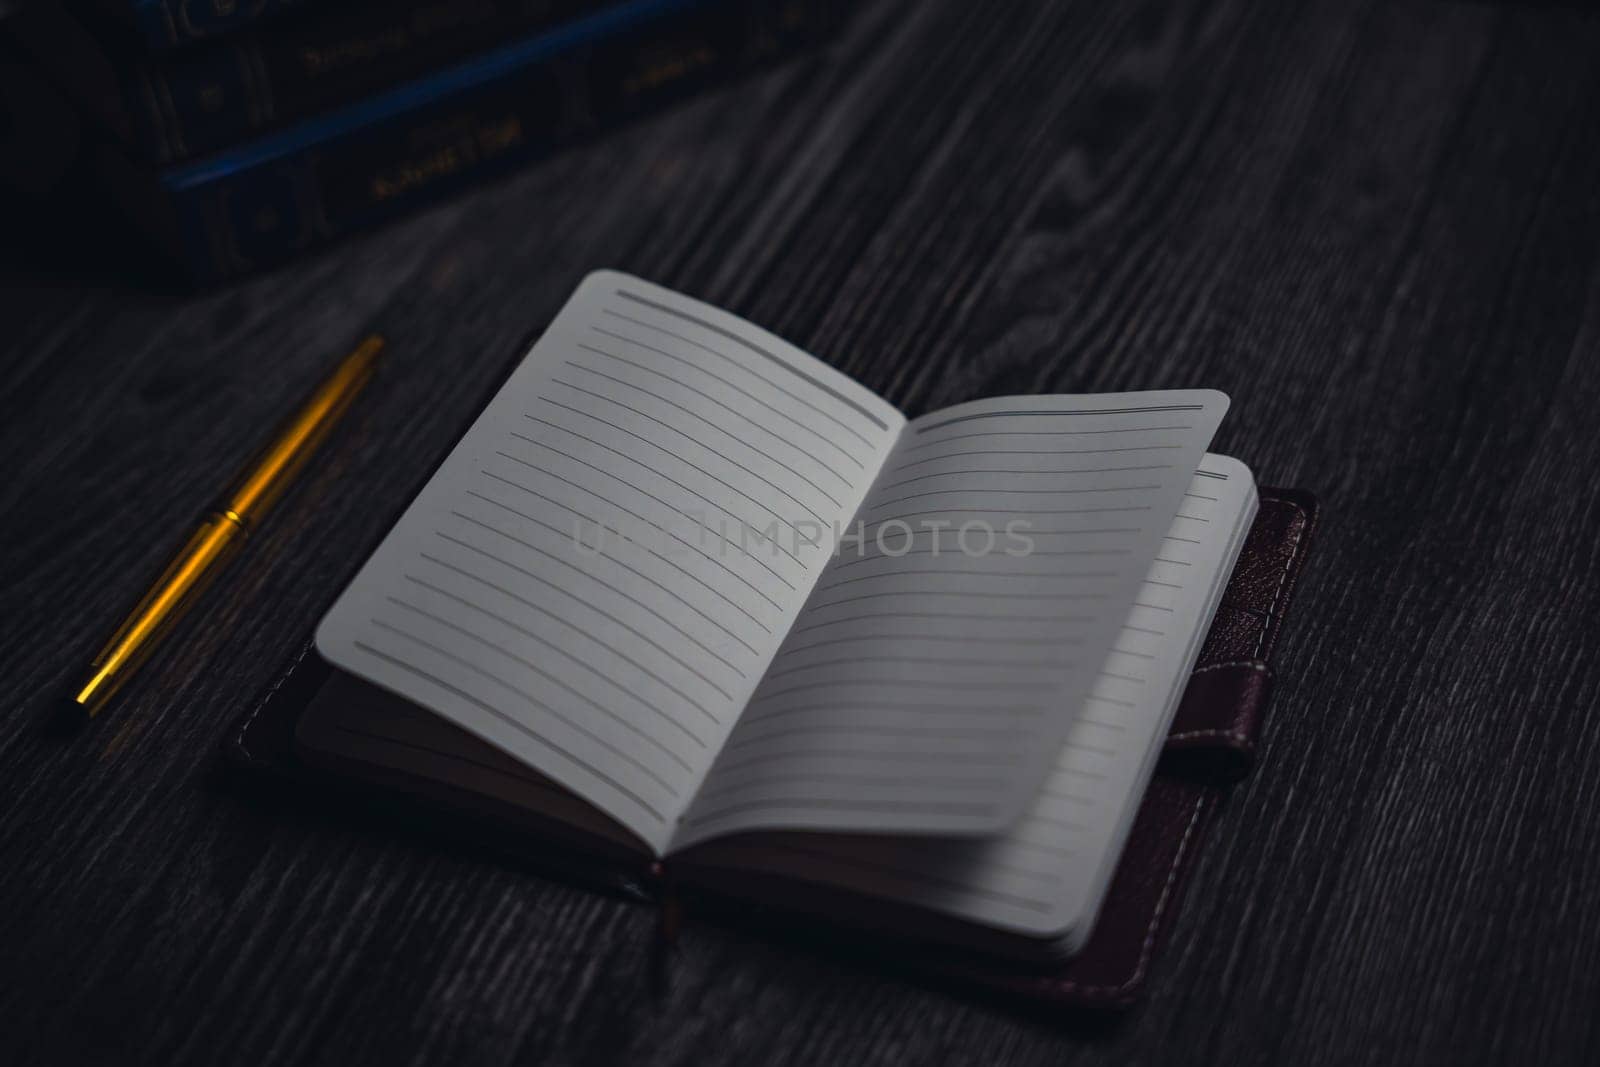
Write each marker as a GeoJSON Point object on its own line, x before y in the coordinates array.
{"type": "Point", "coordinates": [222, 532]}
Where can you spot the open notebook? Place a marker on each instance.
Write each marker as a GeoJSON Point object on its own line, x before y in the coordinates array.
{"type": "Point", "coordinates": [685, 590]}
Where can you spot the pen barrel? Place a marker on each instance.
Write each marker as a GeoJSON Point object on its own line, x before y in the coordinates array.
{"type": "Point", "coordinates": [180, 585]}
{"type": "Point", "coordinates": [219, 536]}
{"type": "Point", "coordinates": [275, 466]}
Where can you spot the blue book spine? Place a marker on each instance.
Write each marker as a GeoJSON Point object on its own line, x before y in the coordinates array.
{"type": "Point", "coordinates": [200, 100]}
{"type": "Point", "coordinates": [172, 23]}
{"type": "Point", "coordinates": [282, 193]}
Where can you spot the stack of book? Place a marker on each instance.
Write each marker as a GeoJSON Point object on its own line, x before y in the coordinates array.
{"type": "Point", "coordinates": [239, 132]}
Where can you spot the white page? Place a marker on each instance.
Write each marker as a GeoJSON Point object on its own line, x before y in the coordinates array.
{"type": "Point", "coordinates": [1046, 875]}
{"type": "Point", "coordinates": [617, 674]}
{"type": "Point", "coordinates": [933, 675]}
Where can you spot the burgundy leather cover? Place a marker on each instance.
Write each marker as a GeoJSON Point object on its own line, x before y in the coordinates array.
{"type": "Point", "coordinates": [1212, 744]}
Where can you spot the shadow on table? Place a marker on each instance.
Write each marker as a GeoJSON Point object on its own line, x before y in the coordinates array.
{"type": "Point", "coordinates": [319, 807]}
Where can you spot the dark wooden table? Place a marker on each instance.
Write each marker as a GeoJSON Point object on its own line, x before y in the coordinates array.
{"type": "Point", "coordinates": [1374, 224]}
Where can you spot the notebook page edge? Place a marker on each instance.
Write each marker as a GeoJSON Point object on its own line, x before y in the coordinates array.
{"type": "Point", "coordinates": [1073, 924]}
{"type": "Point", "coordinates": [1062, 926]}
{"type": "Point", "coordinates": [1212, 405]}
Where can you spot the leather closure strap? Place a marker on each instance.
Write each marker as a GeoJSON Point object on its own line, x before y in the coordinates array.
{"type": "Point", "coordinates": [1214, 733]}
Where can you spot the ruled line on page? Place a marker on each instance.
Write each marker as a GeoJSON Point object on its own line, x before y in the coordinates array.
{"type": "Point", "coordinates": [644, 466]}
{"type": "Point", "coordinates": [935, 551]}
{"type": "Point", "coordinates": [521, 728]}
{"type": "Point", "coordinates": [876, 659]}
{"type": "Point", "coordinates": [586, 603]}
{"type": "Point", "coordinates": [919, 708]}
{"type": "Point", "coordinates": [564, 591]}
{"type": "Point", "coordinates": [1032, 531]}
{"type": "Point", "coordinates": [834, 755]}
{"type": "Point", "coordinates": [971, 616]}
{"type": "Point", "coordinates": [960, 594]}
{"type": "Point", "coordinates": [1054, 472]}
{"type": "Point", "coordinates": [1002, 510]}
{"type": "Point", "coordinates": [563, 620]}
{"type": "Point", "coordinates": [834, 802]}
{"type": "Point", "coordinates": [982, 733]}
{"type": "Point", "coordinates": [721, 403]}
{"type": "Point", "coordinates": [1020, 451]}
{"type": "Point", "coordinates": [902, 683]}
{"type": "Point", "coordinates": [707, 586]}
{"type": "Point", "coordinates": [649, 496]}
{"type": "Point", "coordinates": [971, 491]}
{"type": "Point", "coordinates": [664, 451]}
{"type": "Point", "coordinates": [877, 656]}
{"type": "Point", "coordinates": [523, 631]}
{"type": "Point", "coordinates": [763, 453]}
{"type": "Point", "coordinates": [844, 453]}
{"type": "Point", "coordinates": [608, 616]}
{"type": "Point", "coordinates": [527, 664]}
{"type": "Point", "coordinates": [795, 650]}
{"type": "Point", "coordinates": [1053, 433]}
{"type": "Point", "coordinates": [943, 722]}
{"type": "Point", "coordinates": [691, 439]}
{"type": "Point", "coordinates": [962, 572]}
{"type": "Point", "coordinates": [1053, 414]}
{"type": "Point", "coordinates": [745, 342]}
{"type": "Point", "coordinates": [733, 362]}
{"type": "Point", "coordinates": [620, 564]}
{"type": "Point", "coordinates": [944, 781]}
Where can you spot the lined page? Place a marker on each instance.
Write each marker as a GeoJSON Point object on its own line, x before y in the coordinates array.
{"type": "Point", "coordinates": [598, 575]}
{"type": "Point", "coordinates": [938, 664]}
{"type": "Point", "coordinates": [1045, 877]}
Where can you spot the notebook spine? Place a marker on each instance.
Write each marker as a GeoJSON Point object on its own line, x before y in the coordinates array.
{"type": "Point", "coordinates": [286, 193]}
{"type": "Point", "coordinates": [205, 99]}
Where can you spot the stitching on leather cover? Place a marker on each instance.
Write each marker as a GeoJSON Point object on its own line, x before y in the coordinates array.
{"type": "Point", "coordinates": [266, 698]}
{"type": "Point", "coordinates": [1288, 568]}
{"type": "Point", "coordinates": [1253, 664]}
{"type": "Point", "coordinates": [1147, 949]}
{"type": "Point", "coordinates": [1232, 735]}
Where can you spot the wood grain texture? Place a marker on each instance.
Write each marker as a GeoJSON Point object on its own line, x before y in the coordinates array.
{"type": "Point", "coordinates": [1374, 224]}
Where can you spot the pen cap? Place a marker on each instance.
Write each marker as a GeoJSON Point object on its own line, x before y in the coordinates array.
{"type": "Point", "coordinates": [277, 465]}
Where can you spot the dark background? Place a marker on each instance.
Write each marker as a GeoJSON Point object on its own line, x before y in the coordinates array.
{"type": "Point", "coordinates": [1373, 224]}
